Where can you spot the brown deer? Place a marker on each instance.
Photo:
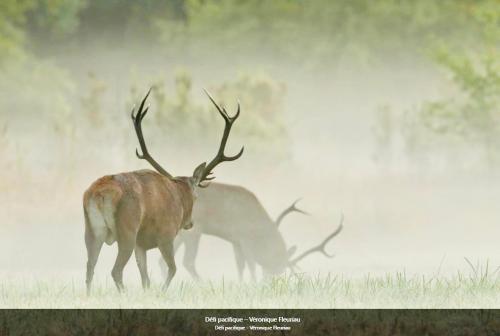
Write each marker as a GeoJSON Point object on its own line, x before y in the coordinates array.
{"type": "Point", "coordinates": [144, 209]}
{"type": "Point", "coordinates": [233, 213]}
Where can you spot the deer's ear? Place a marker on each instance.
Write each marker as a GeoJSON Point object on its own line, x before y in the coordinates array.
{"type": "Point", "coordinates": [291, 251]}
{"type": "Point", "coordinates": [198, 172]}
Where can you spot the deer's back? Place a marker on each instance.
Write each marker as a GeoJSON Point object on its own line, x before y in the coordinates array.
{"type": "Point", "coordinates": [226, 210]}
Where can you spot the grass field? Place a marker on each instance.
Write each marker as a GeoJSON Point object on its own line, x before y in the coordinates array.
{"type": "Point", "coordinates": [478, 289]}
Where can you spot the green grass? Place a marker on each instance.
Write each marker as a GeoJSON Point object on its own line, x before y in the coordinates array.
{"type": "Point", "coordinates": [479, 289]}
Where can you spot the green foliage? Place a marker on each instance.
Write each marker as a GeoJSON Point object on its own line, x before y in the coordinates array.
{"type": "Point", "coordinates": [175, 109]}
{"type": "Point", "coordinates": [20, 71]}
{"type": "Point", "coordinates": [472, 113]}
{"type": "Point", "coordinates": [121, 22]}
{"type": "Point", "coordinates": [43, 100]}
{"type": "Point", "coordinates": [35, 94]}
{"type": "Point", "coordinates": [179, 111]}
{"type": "Point", "coordinates": [313, 33]}
{"type": "Point", "coordinates": [262, 102]}
{"type": "Point", "coordinates": [55, 18]}
{"type": "Point", "coordinates": [466, 115]}
{"type": "Point", "coordinates": [12, 21]}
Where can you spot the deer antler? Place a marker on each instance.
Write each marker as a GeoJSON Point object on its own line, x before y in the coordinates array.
{"type": "Point", "coordinates": [290, 209]}
{"type": "Point", "coordinates": [137, 120]}
{"type": "Point", "coordinates": [321, 247]}
{"type": "Point", "coordinates": [220, 156]}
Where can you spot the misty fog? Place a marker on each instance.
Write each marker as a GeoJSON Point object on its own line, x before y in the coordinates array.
{"type": "Point", "coordinates": [418, 213]}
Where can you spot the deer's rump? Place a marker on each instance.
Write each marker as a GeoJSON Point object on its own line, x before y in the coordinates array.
{"type": "Point", "coordinates": [100, 201]}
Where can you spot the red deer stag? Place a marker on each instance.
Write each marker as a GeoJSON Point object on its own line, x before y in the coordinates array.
{"type": "Point", "coordinates": [144, 209]}
{"type": "Point", "coordinates": [235, 214]}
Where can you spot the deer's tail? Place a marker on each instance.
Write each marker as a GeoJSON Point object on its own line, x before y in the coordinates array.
{"type": "Point", "coordinates": [100, 207]}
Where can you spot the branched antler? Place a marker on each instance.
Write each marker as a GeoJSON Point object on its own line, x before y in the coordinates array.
{"type": "Point", "coordinates": [220, 156]}
{"type": "Point", "coordinates": [137, 120]}
{"type": "Point", "coordinates": [321, 247]}
{"type": "Point", "coordinates": [290, 209]}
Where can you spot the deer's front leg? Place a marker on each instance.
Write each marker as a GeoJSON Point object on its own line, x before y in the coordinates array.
{"type": "Point", "coordinates": [167, 251]}
{"type": "Point", "coordinates": [142, 263]}
{"type": "Point", "coordinates": [240, 260]}
{"type": "Point", "coordinates": [191, 242]}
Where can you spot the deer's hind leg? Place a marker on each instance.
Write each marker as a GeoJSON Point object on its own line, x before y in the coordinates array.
{"type": "Point", "coordinates": [94, 245]}
{"type": "Point", "coordinates": [126, 238]}
{"type": "Point", "coordinates": [125, 249]}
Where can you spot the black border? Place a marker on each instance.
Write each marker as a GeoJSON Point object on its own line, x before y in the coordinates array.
{"type": "Point", "coordinates": [192, 322]}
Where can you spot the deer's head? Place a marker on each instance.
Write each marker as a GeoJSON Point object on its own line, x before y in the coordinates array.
{"type": "Point", "coordinates": [286, 259]}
